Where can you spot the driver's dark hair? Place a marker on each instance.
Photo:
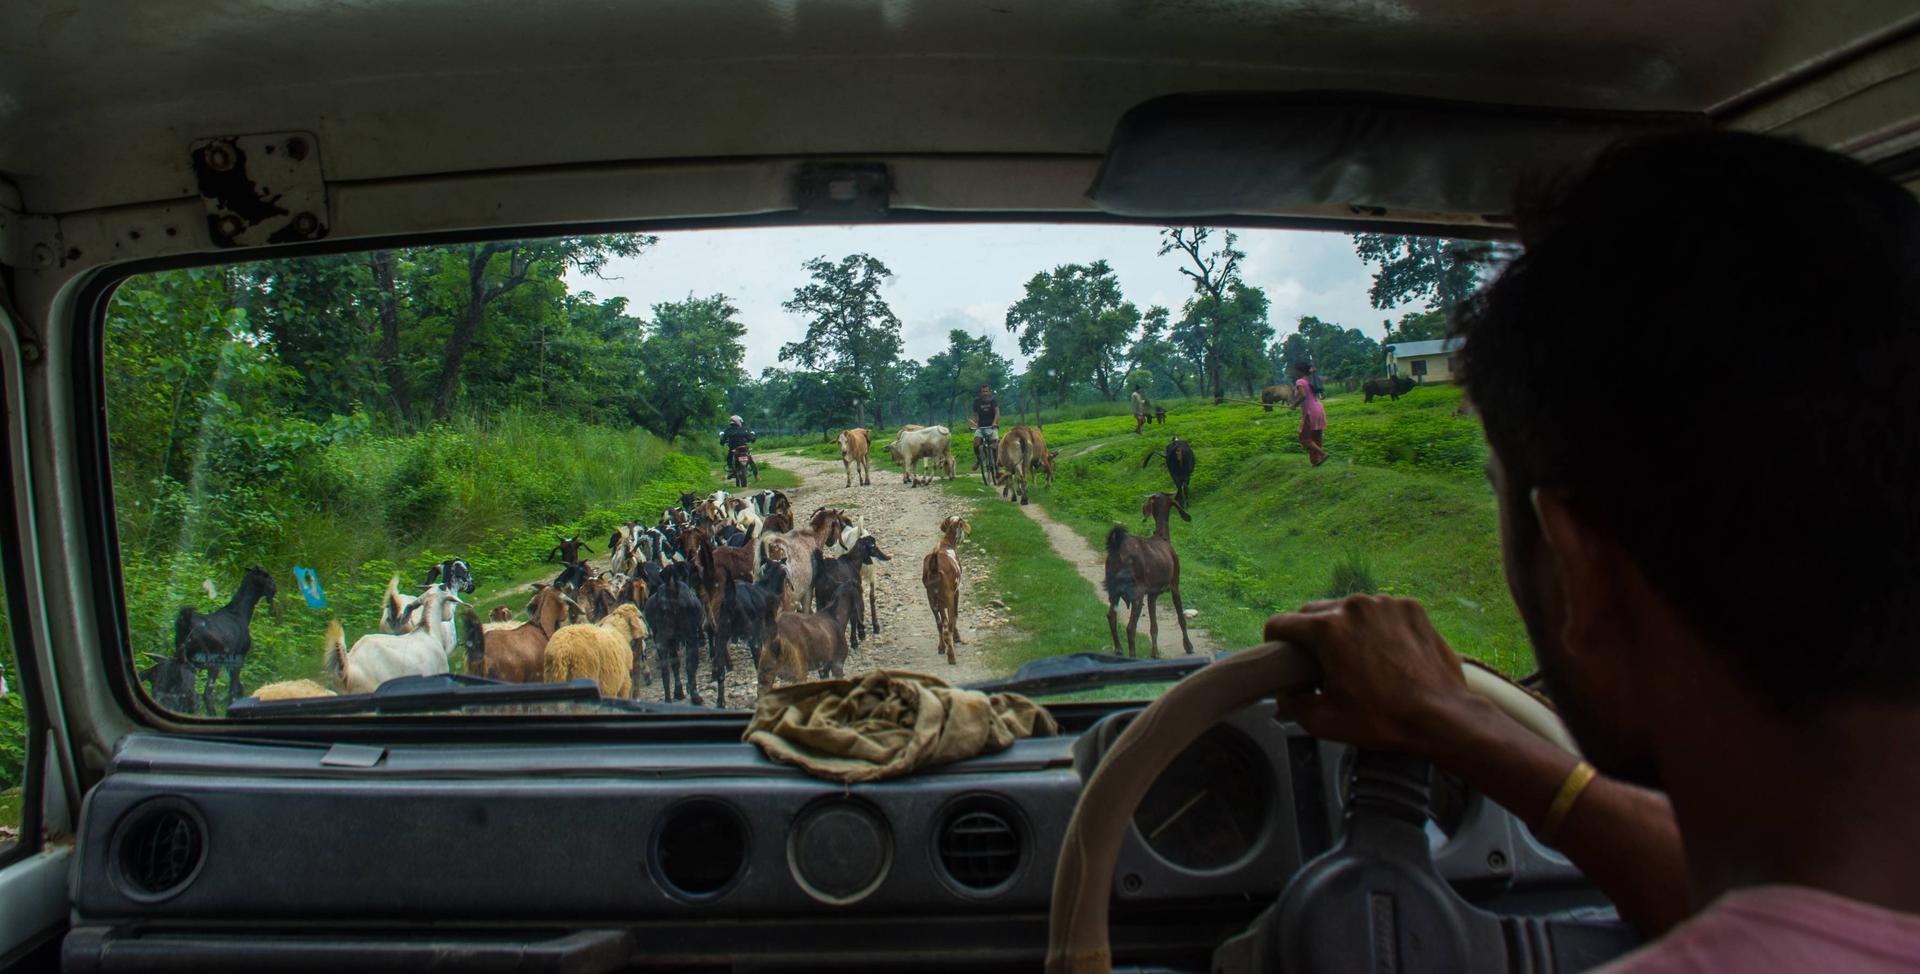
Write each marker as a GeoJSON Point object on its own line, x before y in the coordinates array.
{"type": "Point", "coordinates": [1645, 355]}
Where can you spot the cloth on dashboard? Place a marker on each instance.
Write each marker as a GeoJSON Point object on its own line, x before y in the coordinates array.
{"type": "Point", "coordinates": [888, 723]}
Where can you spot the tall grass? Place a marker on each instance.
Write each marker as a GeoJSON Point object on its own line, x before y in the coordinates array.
{"type": "Point", "coordinates": [495, 492]}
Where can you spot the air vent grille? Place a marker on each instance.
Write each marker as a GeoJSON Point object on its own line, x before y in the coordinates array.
{"type": "Point", "coordinates": [979, 848]}
{"type": "Point", "coordinates": [161, 848]}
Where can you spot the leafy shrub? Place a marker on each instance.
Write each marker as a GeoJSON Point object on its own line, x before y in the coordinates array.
{"type": "Point", "coordinates": [1351, 576]}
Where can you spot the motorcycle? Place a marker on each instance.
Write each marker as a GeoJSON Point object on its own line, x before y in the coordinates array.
{"type": "Point", "coordinates": [739, 462]}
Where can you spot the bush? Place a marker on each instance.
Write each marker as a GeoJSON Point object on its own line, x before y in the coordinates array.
{"type": "Point", "coordinates": [1351, 576]}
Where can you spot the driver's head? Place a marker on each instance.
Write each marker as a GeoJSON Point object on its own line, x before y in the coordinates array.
{"type": "Point", "coordinates": [1687, 513]}
{"type": "Point", "coordinates": [733, 420]}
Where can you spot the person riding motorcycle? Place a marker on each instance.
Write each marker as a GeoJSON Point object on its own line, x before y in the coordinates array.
{"type": "Point", "coordinates": [735, 438]}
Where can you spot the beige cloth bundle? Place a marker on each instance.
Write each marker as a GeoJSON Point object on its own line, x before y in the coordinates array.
{"type": "Point", "coordinates": [888, 723]}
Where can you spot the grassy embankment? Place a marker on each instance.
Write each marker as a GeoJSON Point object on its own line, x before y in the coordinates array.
{"type": "Point", "coordinates": [1402, 508]}
{"type": "Point", "coordinates": [495, 493]}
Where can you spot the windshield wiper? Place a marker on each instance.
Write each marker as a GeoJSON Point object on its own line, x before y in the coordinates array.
{"type": "Point", "coordinates": [452, 691]}
{"type": "Point", "coordinates": [1086, 671]}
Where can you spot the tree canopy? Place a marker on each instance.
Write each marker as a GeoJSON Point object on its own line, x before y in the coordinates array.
{"type": "Point", "coordinates": [851, 331]}
{"type": "Point", "coordinates": [1075, 318]}
{"type": "Point", "coordinates": [690, 358]}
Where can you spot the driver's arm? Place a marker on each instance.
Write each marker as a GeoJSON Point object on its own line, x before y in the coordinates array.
{"type": "Point", "coordinates": [1393, 684]}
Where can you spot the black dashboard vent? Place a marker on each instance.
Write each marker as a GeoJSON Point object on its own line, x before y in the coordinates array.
{"type": "Point", "coordinates": [979, 847]}
{"type": "Point", "coordinates": [162, 845]}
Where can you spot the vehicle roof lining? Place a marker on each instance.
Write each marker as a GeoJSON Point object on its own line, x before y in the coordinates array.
{"type": "Point", "coordinates": [580, 112]}
{"type": "Point", "coordinates": [1240, 153]}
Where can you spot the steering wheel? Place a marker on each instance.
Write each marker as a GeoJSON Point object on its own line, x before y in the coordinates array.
{"type": "Point", "coordinates": [1373, 902]}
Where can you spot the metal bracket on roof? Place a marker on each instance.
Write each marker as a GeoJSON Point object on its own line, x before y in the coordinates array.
{"type": "Point", "coordinates": [261, 189]}
{"type": "Point", "coordinates": [853, 189]}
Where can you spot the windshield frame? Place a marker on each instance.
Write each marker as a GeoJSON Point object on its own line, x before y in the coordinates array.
{"type": "Point", "coordinates": [100, 529]}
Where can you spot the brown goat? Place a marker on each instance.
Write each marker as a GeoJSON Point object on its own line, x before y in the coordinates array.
{"type": "Point", "coordinates": [1139, 569]}
{"type": "Point", "coordinates": [517, 654]}
{"type": "Point", "coordinates": [823, 531]}
{"type": "Point", "coordinates": [940, 573]}
{"type": "Point", "coordinates": [804, 641]}
{"type": "Point", "coordinates": [501, 613]}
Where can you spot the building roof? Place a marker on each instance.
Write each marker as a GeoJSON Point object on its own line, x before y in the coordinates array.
{"type": "Point", "coordinates": [1437, 346]}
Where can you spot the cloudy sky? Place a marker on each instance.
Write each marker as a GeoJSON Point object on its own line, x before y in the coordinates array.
{"type": "Point", "coordinates": [965, 276]}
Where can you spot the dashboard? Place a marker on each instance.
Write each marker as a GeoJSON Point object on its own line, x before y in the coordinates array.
{"type": "Point", "coordinates": [201, 854]}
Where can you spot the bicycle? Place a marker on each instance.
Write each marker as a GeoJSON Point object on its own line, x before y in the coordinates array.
{"type": "Point", "coordinates": [986, 450]}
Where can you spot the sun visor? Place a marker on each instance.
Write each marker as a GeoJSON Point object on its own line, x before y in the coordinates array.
{"type": "Point", "coordinates": [1223, 154]}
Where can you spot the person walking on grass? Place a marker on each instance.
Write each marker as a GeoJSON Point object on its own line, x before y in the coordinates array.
{"type": "Point", "coordinates": [1139, 410]}
{"type": "Point", "coordinates": [1313, 415]}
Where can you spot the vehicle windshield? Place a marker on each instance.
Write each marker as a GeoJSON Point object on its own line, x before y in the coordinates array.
{"type": "Point", "coordinates": [693, 466]}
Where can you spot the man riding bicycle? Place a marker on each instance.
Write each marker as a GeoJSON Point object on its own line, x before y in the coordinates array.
{"type": "Point", "coordinates": [986, 432]}
{"type": "Point", "coordinates": [734, 440]}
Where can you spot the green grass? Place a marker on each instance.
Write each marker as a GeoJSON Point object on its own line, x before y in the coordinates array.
{"type": "Point", "coordinates": [10, 808]}
{"type": "Point", "coordinates": [1402, 508]}
{"type": "Point", "coordinates": [1052, 609]}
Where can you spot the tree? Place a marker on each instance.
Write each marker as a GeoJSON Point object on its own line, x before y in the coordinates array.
{"type": "Point", "coordinates": [967, 363]}
{"type": "Point", "coordinates": [1338, 353]}
{"type": "Point", "coordinates": [1243, 334]}
{"type": "Point", "coordinates": [851, 331]}
{"type": "Point", "coordinates": [1215, 273]}
{"type": "Point", "coordinates": [1436, 270]}
{"type": "Point", "coordinates": [818, 400]}
{"type": "Point", "coordinates": [1155, 357]}
{"type": "Point", "coordinates": [487, 281]}
{"type": "Point", "coordinates": [1076, 319]}
{"type": "Point", "coordinates": [1417, 326]}
{"type": "Point", "coordinates": [691, 356]}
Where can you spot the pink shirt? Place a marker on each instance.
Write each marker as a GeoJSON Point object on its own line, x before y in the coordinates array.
{"type": "Point", "coordinates": [1782, 928]}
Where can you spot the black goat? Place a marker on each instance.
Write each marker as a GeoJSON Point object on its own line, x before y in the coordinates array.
{"type": "Point", "coordinates": [748, 613]}
{"type": "Point", "coordinates": [573, 576]}
{"type": "Point", "coordinates": [453, 573]}
{"type": "Point", "coordinates": [171, 684]}
{"type": "Point", "coordinates": [568, 549]}
{"type": "Point", "coordinates": [1180, 463]}
{"type": "Point", "coordinates": [829, 574]}
{"type": "Point", "coordinates": [221, 639]}
{"type": "Point", "coordinates": [679, 623]}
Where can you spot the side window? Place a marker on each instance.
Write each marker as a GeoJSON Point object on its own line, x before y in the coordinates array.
{"type": "Point", "coordinates": [1419, 366]}
{"type": "Point", "coordinates": [13, 732]}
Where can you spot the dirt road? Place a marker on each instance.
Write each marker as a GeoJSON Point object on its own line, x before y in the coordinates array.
{"type": "Point", "coordinates": [906, 522]}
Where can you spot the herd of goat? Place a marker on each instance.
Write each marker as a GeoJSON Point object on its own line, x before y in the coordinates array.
{"type": "Point", "coordinates": [711, 573]}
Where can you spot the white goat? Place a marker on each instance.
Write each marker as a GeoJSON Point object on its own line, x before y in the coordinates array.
{"type": "Point", "coordinates": [394, 608]}
{"type": "Point", "coordinates": [850, 536]}
{"type": "Point", "coordinates": [378, 656]}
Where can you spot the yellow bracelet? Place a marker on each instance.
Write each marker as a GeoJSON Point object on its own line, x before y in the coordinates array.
{"type": "Point", "coordinates": [1577, 781]}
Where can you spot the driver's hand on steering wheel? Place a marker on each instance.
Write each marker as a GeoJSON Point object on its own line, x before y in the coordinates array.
{"type": "Point", "coordinates": [1390, 683]}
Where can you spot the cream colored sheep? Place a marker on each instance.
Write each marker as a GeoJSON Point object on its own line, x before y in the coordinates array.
{"type": "Point", "coordinates": [291, 690]}
{"type": "Point", "coordinates": [603, 652]}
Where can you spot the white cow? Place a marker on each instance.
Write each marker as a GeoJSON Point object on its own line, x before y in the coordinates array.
{"type": "Point", "coordinates": [933, 443]}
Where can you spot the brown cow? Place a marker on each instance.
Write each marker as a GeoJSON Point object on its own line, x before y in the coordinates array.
{"type": "Point", "coordinates": [1273, 394]}
{"type": "Point", "coordinates": [854, 445]}
{"type": "Point", "coordinates": [1021, 452]}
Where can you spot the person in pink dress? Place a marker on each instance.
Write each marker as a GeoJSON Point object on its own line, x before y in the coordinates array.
{"type": "Point", "coordinates": [1313, 415]}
